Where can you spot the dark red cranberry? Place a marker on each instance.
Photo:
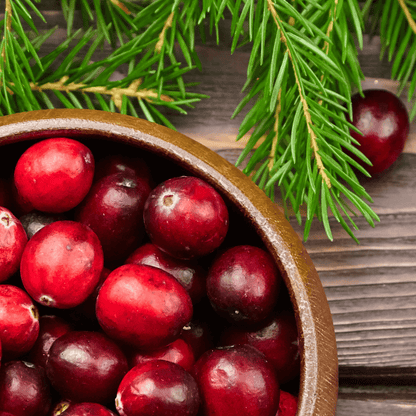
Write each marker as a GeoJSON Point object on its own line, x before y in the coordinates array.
{"type": "Point", "coordinates": [13, 240]}
{"type": "Point", "coordinates": [143, 306]}
{"type": "Point", "coordinates": [187, 272]}
{"type": "Point", "coordinates": [277, 339]}
{"type": "Point", "coordinates": [68, 273]}
{"type": "Point", "coordinates": [178, 352]}
{"type": "Point", "coordinates": [383, 120]}
{"type": "Point", "coordinates": [198, 335]}
{"type": "Point", "coordinates": [54, 175]}
{"type": "Point", "coordinates": [288, 404]}
{"type": "Point", "coordinates": [19, 321]}
{"type": "Point", "coordinates": [158, 388]}
{"type": "Point", "coordinates": [51, 327]}
{"type": "Point", "coordinates": [113, 209]}
{"type": "Point", "coordinates": [36, 220]}
{"type": "Point", "coordinates": [24, 389]}
{"type": "Point", "coordinates": [186, 217]}
{"type": "Point", "coordinates": [243, 284]}
{"type": "Point", "coordinates": [236, 381]}
{"type": "Point", "coordinates": [86, 366]}
{"type": "Point", "coordinates": [81, 409]}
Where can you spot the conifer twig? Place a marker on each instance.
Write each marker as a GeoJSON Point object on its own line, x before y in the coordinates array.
{"type": "Point", "coordinates": [167, 25]}
{"type": "Point", "coordinates": [409, 17]}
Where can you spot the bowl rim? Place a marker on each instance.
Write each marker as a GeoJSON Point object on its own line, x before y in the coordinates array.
{"type": "Point", "coordinates": [319, 366]}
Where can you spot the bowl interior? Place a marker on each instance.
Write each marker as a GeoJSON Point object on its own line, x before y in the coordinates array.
{"type": "Point", "coordinates": [256, 216]}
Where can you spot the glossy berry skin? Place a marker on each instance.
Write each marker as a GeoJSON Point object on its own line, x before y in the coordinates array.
{"type": "Point", "coordinates": [288, 404]}
{"type": "Point", "coordinates": [86, 366]}
{"type": "Point", "coordinates": [51, 327]}
{"type": "Point", "coordinates": [143, 306]}
{"type": "Point", "coordinates": [186, 217]}
{"type": "Point", "coordinates": [34, 221]}
{"type": "Point", "coordinates": [174, 391]}
{"type": "Point", "coordinates": [243, 284]}
{"type": "Point", "coordinates": [19, 321]}
{"type": "Point", "coordinates": [113, 209]}
{"type": "Point", "coordinates": [187, 272]}
{"type": "Point", "coordinates": [13, 240]}
{"type": "Point", "coordinates": [198, 336]}
{"type": "Point", "coordinates": [54, 175]}
{"type": "Point", "coordinates": [24, 389]}
{"type": "Point", "coordinates": [81, 409]}
{"type": "Point", "coordinates": [383, 121]}
{"type": "Point", "coordinates": [236, 381]}
{"type": "Point", "coordinates": [68, 273]}
{"type": "Point", "coordinates": [277, 338]}
{"type": "Point", "coordinates": [178, 352]}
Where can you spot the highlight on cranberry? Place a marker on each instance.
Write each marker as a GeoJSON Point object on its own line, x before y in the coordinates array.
{"type": "Point", "coordinates": [127, 289]}
{"type": "Point", "coordinates": [383, 121]}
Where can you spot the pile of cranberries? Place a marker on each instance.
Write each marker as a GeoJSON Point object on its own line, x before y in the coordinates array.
{"type": "Point", "coordinates": [128, 287]}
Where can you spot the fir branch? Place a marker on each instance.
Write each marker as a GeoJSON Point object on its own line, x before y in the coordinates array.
{"type": "Point", "coordinates": [408, 15]}
{"type": "Point", "coordinates": [168, 23]}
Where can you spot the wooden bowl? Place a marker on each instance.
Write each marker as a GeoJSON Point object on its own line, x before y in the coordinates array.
{"type": "Point", "coordinates": [319, 365]}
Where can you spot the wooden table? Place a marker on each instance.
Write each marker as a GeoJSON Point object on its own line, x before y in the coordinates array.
{"type": "Point", "coordinates": [371, 287]}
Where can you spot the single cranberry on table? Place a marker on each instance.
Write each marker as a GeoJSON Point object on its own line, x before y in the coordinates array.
{"type": "Point", "coordinates": [13, 240]}
{"type": "Point", "coordinates": [67, 408]}
{"type": "Point", "coordinates": [24, 389]}
{"type": "Point", "coordinates": [113, 209]}
{"type": "Point", "coordinates": [235, 381]}
{"type": "Point", "coordinates": [187, 272]}
{"type": "Point", "coordinates": [54, 175]}
{"type": "Point", "coordinates": [86, 366]}
{"type": "Point", "coordinates": [178, 352]}
{"type": "Point", "coordinates": [61, 264]}
{"type": "Point", "coordinates": [158, 388]}
{"type": "Point", "coordinates": [277, 338]}
{"type": "Point", "coordinates": [51, 327]}
{"type": "Point", "coordinates": [243, 284]}
{"type": "Point", "coordinates": [383, 121]}
{"type": "Point", "coordinates": [143, 306]}
{"type": "Point", "coordinates": [19, 321]}
{"type": "Point", "coordinates": [186, 217]}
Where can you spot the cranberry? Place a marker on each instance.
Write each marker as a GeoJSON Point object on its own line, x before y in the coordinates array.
{"type": "Point", "coordinates": [51, 327]}
{"type": "Point", "coordinates": [24, 389]}
{"type": "Point", "coordinates": [158, 388]}
{"type": "Point", "coordinates": [288, 404]}
{"type": "Point", "coordinates": [178, 352]}
{"type": "Point", "coordinates": [243, 284]}
{"type": "Point", "coordinates": [86, 366]}
{"type": "Point", "coordinates": [19, 321]}
{"type": "Point", "coordinates": [277, 339]}
{"type": "Point", "coordinates": [61, 264]}
{"type": "Point", "coordinates": [13, 240]}
{"type": "Point", "coordinates": [113, 209]}
{"type": "Point", "coordinates": [188, 273]}
{"type": "Point", "coordinates": [143, 306]}
{"type": "Point", "coordinates": [33, 221]}
{"type": "Point", "coordinates": [81, 409]}
{"type": "Point", "coordinates": [198, 335]}
{"type": "Point", "coordinates": [54, 175]}
{"type": "Point", "coordinates": [383, 121]}
{"type": "Point", "coordinates": [186, 217]}
{"type": "Point", "coordinates": [236, 381]}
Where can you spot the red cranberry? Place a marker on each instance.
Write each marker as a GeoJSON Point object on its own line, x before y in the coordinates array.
{"type": "Point", "coordinates": [81, 409]}
{"type": "Point", "coordinates": [383, 121]}
{"type": "Point", "coordinates": [178, 352]}
{"type": "Point", "coordinates": [143, 306]}
{"type": "Point", "coordinates": [277, 339]}
{"type": "Point", "coordinates": [86, 366]}
{"type": "Point", "coordinates": [236, 381]}
{"type": "Point", "coordinates": [186, 217]}
{"type": "Point", "coordinates": [113, 209]}
{"type": "Point", "coordinates": [13, 240]}
{"type": "Point", "coordinates": [61, 264]}
{"type": "Point", "coordinates": [35, 220]}
{"type": "Point", "coordinates": [54, 175]}
{"type": "Point", "coordinates": [198, 335]}
{"type": "Point", "coordinates": [158, 388]}
{"type": "Point", "coordinates": [19, 321]}
{"type": "Point", "coordinates": [51, 327]}
{"type": "Point", "coordinates": [24, 389]}
{"type": "Point", "coordinates": [187, 272]}
{"type": "Point", "coordinates": [288, 404]}
{"type": "Point", "coordinates": [243, 284]}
